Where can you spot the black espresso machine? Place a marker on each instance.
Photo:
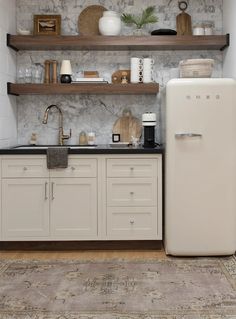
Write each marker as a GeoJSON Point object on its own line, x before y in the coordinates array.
{"type": "Point", "coordinates": [149, 123]}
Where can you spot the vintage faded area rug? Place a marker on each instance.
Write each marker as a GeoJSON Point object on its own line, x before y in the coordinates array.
{"type": "Point", "coordinates": [171, 288]}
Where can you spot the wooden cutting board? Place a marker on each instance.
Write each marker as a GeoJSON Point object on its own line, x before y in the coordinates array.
{"type": "Point", "coordinates": [127, 126]}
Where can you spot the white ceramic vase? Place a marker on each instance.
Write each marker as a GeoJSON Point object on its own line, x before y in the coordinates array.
{"type": "Point", "coordinates": [110, 23]}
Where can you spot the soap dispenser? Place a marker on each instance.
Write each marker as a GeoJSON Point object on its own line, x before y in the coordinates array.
{"type": "Point", "coordinates": [83, 140]}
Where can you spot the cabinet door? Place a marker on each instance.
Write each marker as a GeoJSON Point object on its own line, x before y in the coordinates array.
{"type": "Point", "coordinates": [74, 208]}
{"type": "Point", "coordinates": [25, 208]}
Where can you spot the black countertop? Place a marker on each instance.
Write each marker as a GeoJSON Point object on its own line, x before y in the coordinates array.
{"type": "Point", "coordinates": [100, 149]}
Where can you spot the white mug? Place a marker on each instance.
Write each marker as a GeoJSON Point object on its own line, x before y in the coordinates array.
{"type": "Point", "coordinates": [136, 70]}
{"type": "Point", "coordinates": [148, 70]}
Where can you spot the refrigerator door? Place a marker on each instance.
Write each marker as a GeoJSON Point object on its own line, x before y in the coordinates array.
{"type": "Point", "coordinates": [200, 176]}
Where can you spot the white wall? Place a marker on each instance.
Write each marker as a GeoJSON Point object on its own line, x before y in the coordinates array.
{"type": "Point", "coordinates": [8, 111]}
{"type": "Point", "coordinates": [229, 26]}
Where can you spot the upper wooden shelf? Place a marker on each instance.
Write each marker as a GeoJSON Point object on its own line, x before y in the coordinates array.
{"type": "Point", "coordinates": [74, 42]}
{"type": "Point", "coordinates": [82, 88]}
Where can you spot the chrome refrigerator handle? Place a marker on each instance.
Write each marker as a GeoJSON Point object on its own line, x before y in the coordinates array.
{"type": "Point", "coordinates": [184, 135]}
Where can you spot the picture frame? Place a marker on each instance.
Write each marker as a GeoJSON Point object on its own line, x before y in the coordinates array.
{"type": "Point", "coordinates": [47, 24]}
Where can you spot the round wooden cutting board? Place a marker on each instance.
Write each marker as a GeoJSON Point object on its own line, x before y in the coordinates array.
{"type": "Point", "coordinates": [127, 126]}
{"type": "Point", "coordinates": [88, 20]}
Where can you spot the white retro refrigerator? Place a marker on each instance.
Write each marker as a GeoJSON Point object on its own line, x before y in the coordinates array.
{"type": "Point", "coordinates": [200, 167]}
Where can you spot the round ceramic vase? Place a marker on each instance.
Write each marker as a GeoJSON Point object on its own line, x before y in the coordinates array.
{"type": "Point", "coordinates": [110, 23]}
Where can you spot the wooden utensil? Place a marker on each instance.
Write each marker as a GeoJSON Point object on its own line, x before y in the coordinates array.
{"type": "Point", "coordinates": [88, 20]}
{"type": "Point", "coordinates": [127, 126]}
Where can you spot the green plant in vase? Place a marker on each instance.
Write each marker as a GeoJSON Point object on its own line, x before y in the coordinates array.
{"type": "Point", "coordinates": [147, 17]}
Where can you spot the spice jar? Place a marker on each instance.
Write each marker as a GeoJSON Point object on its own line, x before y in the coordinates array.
{"type": "Point", "coordinates": [198, 29]}
{"type": "Point", "coordinates": [208, 29]}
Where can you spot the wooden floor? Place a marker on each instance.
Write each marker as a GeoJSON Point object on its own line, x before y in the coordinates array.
{"type": "Point", "coordinates": [84, 255]}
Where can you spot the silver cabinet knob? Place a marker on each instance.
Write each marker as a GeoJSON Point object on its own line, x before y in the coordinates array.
{"type": "Point", "coordinates": [131, 193]}
{"type": "Point", "coordinates": [131, 221]}
{"type": "Point", "coordinates": [25, 168]}
{"type": "Point", "coordinates": [132, 169]}
{"type": "Point", "coordinates": [72, 168]}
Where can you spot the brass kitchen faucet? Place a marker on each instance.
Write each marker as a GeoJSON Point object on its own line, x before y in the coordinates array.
{"type": "Point", "coordinates": [62, 136]}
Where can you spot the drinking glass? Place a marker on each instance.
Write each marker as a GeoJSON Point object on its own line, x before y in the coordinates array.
{"type": "Point", "coordinates": [37, 73]}
{"type": "Point", "coordinates": [20, 75]}
{"type": "Point", "coordinates": [28, 75]}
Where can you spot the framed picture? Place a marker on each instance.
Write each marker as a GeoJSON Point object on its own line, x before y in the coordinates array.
{"type": "Point", "coordinates": [47, 24]}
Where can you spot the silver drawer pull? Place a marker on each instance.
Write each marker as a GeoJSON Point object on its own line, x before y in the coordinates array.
{"type": "Point", "coordinates": [72, 168]}
{"type": "Point", "coordinates": [132, 169]}
{"type": "Point", "coordinates": [131, 193]}
{"type": "Point", "coordinates": [25, 168]}
{"type": "Point", "coordinates": [131, 221]}
{"type": "Point", "coordinates": [53, 190]}
{"type": "Point", "coordinates": [186, 135]}
{"type": "Point", "coordinates": [46, 191]}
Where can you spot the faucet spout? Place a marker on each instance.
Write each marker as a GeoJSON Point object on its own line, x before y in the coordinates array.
{"type": "Point", "coordinates": [62, 136]}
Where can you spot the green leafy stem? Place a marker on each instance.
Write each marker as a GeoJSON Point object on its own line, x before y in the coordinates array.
{"type": "Point", "coordinates": [146, 17]}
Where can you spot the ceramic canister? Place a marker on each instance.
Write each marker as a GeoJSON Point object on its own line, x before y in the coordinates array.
{"type": "Point", "coordinates": [148, 70]}
{"type": "Point", "coordinates": [136, 66]}
{"type": "Point", "coordinates": [110, 23]}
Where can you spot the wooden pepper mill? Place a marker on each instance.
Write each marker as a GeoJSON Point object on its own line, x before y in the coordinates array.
{"type": "Point", "coordinates": [47, 72]}
{"type": "Point", "coordinates": [50, 72]}
{"type": "Point", "coordinates": [183, 20]}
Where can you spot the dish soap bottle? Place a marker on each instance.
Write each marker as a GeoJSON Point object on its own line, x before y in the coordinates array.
{"type": "Point", "coordinates": [83, 140]}
{"type": "Point", "coordinates": [33, 139]}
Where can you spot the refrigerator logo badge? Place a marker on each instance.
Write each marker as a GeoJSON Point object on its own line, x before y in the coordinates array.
{"type": "Point", "coordinates": [198, 97]}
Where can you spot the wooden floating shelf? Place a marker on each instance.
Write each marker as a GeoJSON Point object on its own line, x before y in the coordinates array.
{"type": "Point", "coordinates": [82, 88]}
{"type": "Point", "coordinates": [110, 43]}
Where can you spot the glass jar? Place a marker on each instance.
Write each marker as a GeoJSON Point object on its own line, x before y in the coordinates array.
{"type": "Point", "coordinates": [91, 138]}
{"type": "Point", "coordinates": [198, 29]}
{"type": "Point", "coordinates": [208, 29]}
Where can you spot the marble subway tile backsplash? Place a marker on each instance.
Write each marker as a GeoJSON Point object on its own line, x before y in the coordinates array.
{"type": "Point", "coordinates": [99, 112]}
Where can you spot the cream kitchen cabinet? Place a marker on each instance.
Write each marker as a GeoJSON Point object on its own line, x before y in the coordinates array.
{"type": "Point", "coordinates": [48, 204]}
{"type": "Point", "coordinates": [74, 208]}
{"type": "Point", "coordinates": [97, 197]}
{"type": "Point", "coordinates": [73, 203]}
{"type": "Point", "coordinates": [25, 200]}
{"type": "Point", "coordinates": [134, 198]}
{"type": "Point", "coordinates": [25, 208]}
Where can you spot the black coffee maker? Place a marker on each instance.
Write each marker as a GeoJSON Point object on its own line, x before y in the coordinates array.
{"type": "Point", "coordinates": [149, 123]}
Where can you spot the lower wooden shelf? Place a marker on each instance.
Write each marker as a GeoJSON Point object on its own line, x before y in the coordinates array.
{"type": "Point", "coordinates": [82, 88]}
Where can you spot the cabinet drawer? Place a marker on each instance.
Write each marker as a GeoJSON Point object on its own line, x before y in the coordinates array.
{"type": "Point", "coordinates": [131, 167]}
{"type": "Point", "coordinates": [131, 192]}
{"type": "Point", "coordinates": [132, 223]}
{"type": "Point", "coordinates": [84, 167]}
{"type": "Point", "coordinates": [25, 167]}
